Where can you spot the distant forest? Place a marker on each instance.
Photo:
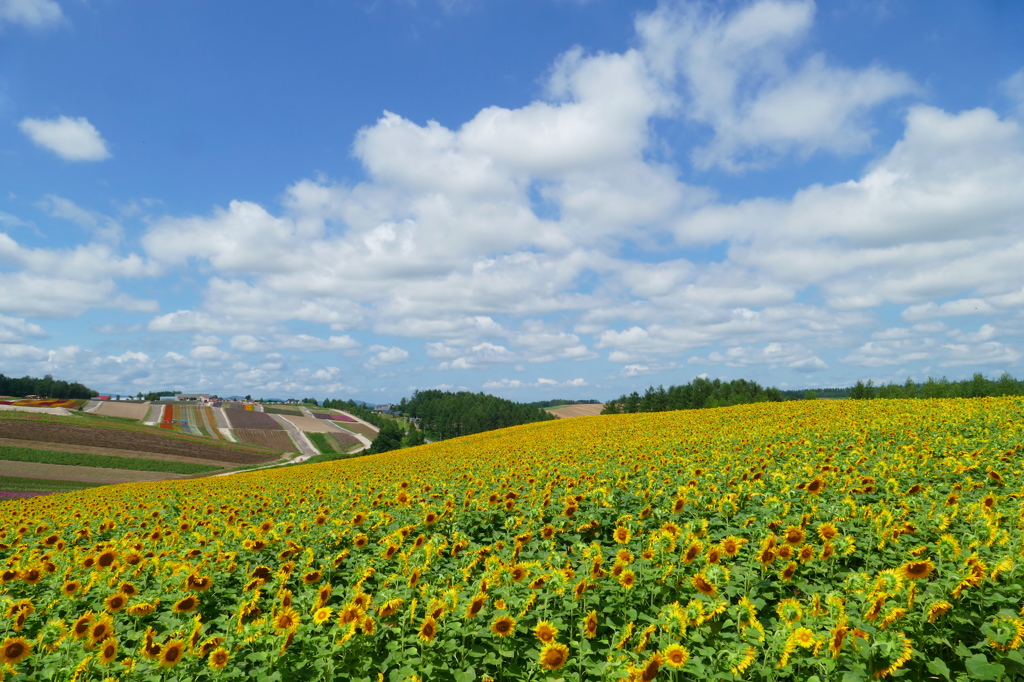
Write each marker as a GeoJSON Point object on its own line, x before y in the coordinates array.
{"type": "Point", "coordinates": [47, 387]}
{"type": "Point", "coordinates": [697, 394]}
{"type": "Point", "coordinates": [443, 414]}
{"type": "Point", "coordinates": [977, 386]}
{"type": "Point", "coordinates": [558, 403]}
{"type": "Point", "coordinates": [701, 393]}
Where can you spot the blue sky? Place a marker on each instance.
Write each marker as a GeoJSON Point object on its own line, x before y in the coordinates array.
{"type": "Point", "coordinates": [537, 199]}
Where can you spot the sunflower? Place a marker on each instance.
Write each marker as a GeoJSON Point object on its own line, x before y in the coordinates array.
{"type": "Point", "coordinates": [503, 626]}
{"type": "Point", "coordinates": [100, 629]}
{"type": "Point", "coordinates": [14, 650]}
{"type": "Point", "coordinates": [312, 577]}
{"type": "Point", "coordinates": [937, 609]}
{"type": "Point", "coordinates": [172, 653]}
{"type": "Point", "coordinates": [827, 531]}
{"type": "Point", "coordinates": [836, 638]}
{"type": "Point", "coordinates": [786, 574]}
{"type": "Point", "coordinates": [80, 628]}
{"type": "Point", "coordinates": [286, 619]}
{"type": "Point", "coordinates": [693, 551]}
{"type": "Point", "coordinates": [209, 645]}
{"type": "Point", "coordinates": [794, 535]}
{"type": "Point", "coordinates": [218, 658]}
{"type": "Point", "coordinates": [360, 540]}
{"type": "Point", "coordinates": [143, 608]}
{"type": "Point", "coordinates": [651, 668]}
{"type": "Point", "coordinates": [917, 570]}
{"type": "Point", "coordinates": [805, 553]}
{"type": "Point", "coordinates": [350, 613]}
{"type": "Point", "coordinates": [116, 602]}
{"type": "Point", "coordinates": [70, 588]}
{"type": "Point", "coordinates": [622, 535]}
{"type": "Point", "coordinates": [627, 579]}
{"type": "Point", "coordinates": [128, 589]}
{"type": "Point", "coordinates": [703, 585]}
{"type": "Point", "coordinates": [545, 632]}
{"type": "Point", "coordinates": [803, 638]}
{"type": "Point", "coordinates": [732, 545]}
{"type": "Point", "coordinates": [675, 655]}
{"type": "Point", "coordinates": [185, 604]}
{"type": "Point", "coordinates": [389, 608]}
{"type": "Point", "coordinates": [476, 605]}
{"type": "Point", "coordinates": [106, 558]}
{"type": "Point", "coordinates": [553, 656]}
{"type": "Point", "coordinates": [590, 625]}
{"type": "Point", "coordinates": [428, 630]}
{"type": "Point", "coordinates": [518, 573]}
{"type": "Point", "coordinates": [547, 532]}
{"type": "Point", "coordinates": [108, 650]}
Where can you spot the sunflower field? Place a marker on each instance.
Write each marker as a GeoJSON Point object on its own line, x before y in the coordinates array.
{"type": "Point", "coordinates": [827, 540]}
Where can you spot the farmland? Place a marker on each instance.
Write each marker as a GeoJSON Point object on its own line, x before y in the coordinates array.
{"type": "Point", "coordinates": [23, 454]}
{"type": "Point", "coordinates": [97, 432]}
{"type": "Point", "coordinates": [843, 540]}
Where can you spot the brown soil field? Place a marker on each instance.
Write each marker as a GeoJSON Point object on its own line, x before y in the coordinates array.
{"type": "Point", "coordinates": [137, 440]}
{"type": "Point", "coordinates": [113, 452]}
{"type": "Point", "coordinates": [63, 472]}
{"type": "Point", "coordinates": [345, 440]}
{"type": "Point", "coordinates": [129, 410]}
{"type": "Point", "coordinates": [312, 424]}
{"type": "Point", "coordinates": [275, 440]}
{"type": "Point", "coordinates": [587, 410]}
{"type": "Point", "coordinates": [368, 431]}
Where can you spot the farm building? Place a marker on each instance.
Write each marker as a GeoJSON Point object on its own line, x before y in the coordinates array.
{"type": "Point", "coordinates": [193, 397]}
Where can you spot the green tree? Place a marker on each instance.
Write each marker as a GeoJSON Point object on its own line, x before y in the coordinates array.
{"type": "Point", "coordinates": [389, 438]}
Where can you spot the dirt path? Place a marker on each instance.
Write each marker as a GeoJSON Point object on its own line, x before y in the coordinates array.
{"type": "Point", "coordinates": [298, 437]}
{"type": "Point", "coordinates": [63, 472]}
{"type": "Point", "coordinates": [113, 452]}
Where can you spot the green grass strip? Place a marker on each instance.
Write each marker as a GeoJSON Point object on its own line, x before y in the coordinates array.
{"type": "Point", "coordinates": [16, 454]}
{"type": "Point", "coordinates": [322, 443]}
{"type": "Point", "coordinates": [330, 457]}
{"type": "Point", "coordinates": [41, 485]}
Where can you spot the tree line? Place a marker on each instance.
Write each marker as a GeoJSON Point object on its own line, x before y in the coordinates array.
{"type": "Point", "coordinates": [47, 387]}
{"type": "Point", "coordinates": [978, 386]}
{"type": "Point", "coordinates": [443, 414]}
{"type": "Point", "coordinates": [698, 394]}
{"type": "Point", "coordinates": [559, 403]}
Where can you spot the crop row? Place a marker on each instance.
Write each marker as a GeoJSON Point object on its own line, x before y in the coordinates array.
{"type": "Point", "coordinates": [18, 454]}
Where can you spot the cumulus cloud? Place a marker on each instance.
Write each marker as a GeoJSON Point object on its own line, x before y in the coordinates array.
{"type": "Point", "coordinates": [32, 13]}
{"type": "Point", "coordinates": [17, 329]}
{"type": "Point", "coordinates": [738, 79]}
{"type": "Point", "coordinates": [387, 356]}
{"type": "Point", "coordinates": [72, 139]}
{"type": "Point", "coordinates": [500, 384]}
{"type": "Point", "coordinates": [300, 342]}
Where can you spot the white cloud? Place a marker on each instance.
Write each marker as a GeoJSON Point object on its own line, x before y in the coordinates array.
{"type": "Point", "coordinates": [1013, 87]}
{"type": "Point", "coordinates": [209, 353]}
{"type": "Point", "coordinates": [32, 13]}
{"type": "Point", "coordinates": [387, 356]}
{"type": "Point", "coordinates": [72, 139]}
{"type": "Point", "coordinates": [737, 79]}
{"type": "Point", "coordinates": [773, 355]}
{"type": "Point", "coordinates": [963, 306]}
{"type": "Point", "coordinates": [102, 226]}
{"type": "Point", "coordinates": [542, 382]}
{"type": "Point", "coordinates": [299, 342]}
{"type": "Point", "coordinates": [16, 329]}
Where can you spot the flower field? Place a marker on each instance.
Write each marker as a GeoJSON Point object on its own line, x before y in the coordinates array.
{"type": "Point", "coordinates": [828, 540]}
{"type": "Point", "coordinates": [68, 404]}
